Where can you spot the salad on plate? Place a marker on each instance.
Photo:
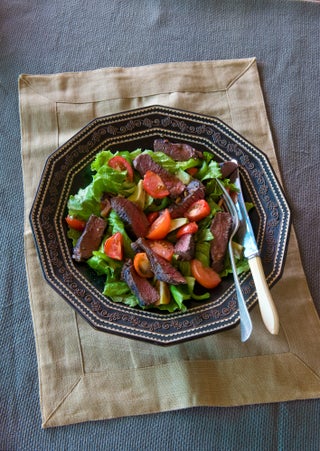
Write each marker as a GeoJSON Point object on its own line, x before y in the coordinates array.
{"type": "Point", "coordinates": [153, 224]}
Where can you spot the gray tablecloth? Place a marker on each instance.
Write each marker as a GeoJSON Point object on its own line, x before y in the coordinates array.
{"type": "Point", "coordinates": [50, 37]}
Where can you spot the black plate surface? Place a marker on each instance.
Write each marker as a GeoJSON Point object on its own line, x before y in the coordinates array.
{"type": "Point", "coordinates": [66, 170]}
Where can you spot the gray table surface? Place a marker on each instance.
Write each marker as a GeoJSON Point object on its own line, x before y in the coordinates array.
{"type": "Point", "coordinates": [42, 36]}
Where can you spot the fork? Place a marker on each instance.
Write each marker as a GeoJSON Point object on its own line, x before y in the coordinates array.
{"type": "Point", "coordinates": [245, 320]}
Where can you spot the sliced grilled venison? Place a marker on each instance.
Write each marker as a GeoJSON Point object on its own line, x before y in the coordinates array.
{"type": "Point", "coordinates": [195, 191]}
{"type": "Point", "coordinates": [177, 151]}
{"type": "Point", "coordinates": [228, 168]}
{"type": "Point", "coordinates": [132, 214]}
{"type": "Point", "coordinates": [220, 229]}
{"type": "Point", "coordinates": [185, 247]}
{"type": "Point", "coordinates": [90, 239]}
{"type": "Point", "coordinates": [162, 269]}
{"type": "Point", "coordinates": [140, 286]}
{"type": "Point", "coordinates": [143, 163]}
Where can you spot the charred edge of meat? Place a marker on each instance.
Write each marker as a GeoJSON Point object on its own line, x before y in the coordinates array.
{"type": "Point", "coordinates": [144, 163]}
{"type": "Point", "coordinates": [185, 247]}
{"type": "Point", "coordinates": [177, 151]}
{"type": "Point", "coordinates": [194, 186]}
{"type": "Point", "coordinates": [195, 191]}
{"type": "Point", "coordinates": [135, 247]}
{"type": "Point", "coordinates": [220, 229]}
{"type": "Point", "coordinates": [132, 214]}
{"type": "Point", "coordinates": [90, 238]}
{"type": "Point", "coordinates": [162, 269]}
{"type": "Point", "coordinates": [140, 286]}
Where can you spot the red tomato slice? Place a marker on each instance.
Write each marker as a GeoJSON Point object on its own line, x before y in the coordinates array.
{"type": "Point", "coordinates": [154, 186]}
{"type": "Point", "coordinates": [163, 248]}
{"type": "Point", "coordinates": [191, 227]}
{"type": "Point", "coordinates": [113, 246]}
{"type": "Point", "coordinates": [76, 224]}
{"type": "Point", "coordinates": [204, 275]}
{"type": "Point", "coordinates": [119, 163]}
{"type": "Point", "coordinates": [198, 210]}
{"type": "Point", "coordinates": [142, 265]}
{"type": "Point", "coordinates": [160, 227]}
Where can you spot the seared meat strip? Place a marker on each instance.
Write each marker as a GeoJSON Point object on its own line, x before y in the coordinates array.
{"type": "Point", "coordinates": [90, 239]}
{"type": "Point", "coordinates": [220, 229]}
{"type": "Point", "coordinates": [227, 168]}
{"type": "Point", "coordinates": [144, 163]}
{"type": "Point", "coordinates": [140, 286]}
{"type": "Point", "coordinates": [185, 247]}
{"type": "Point", "coordinates": [177, 151]}
{"type": "Point", "coordinates": [162, 269]}
{"type": "Point", "coordinates": [132, 214]}
{"type": "Point", "coordinates": [195, 191]}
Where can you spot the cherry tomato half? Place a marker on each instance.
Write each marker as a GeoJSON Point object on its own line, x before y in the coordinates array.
{"type": "Point", "coordinates": [153, 185]}
{"type": "Point", "coordinates": [142, 265]}
{"type": "Point", "coordinates": [191, 227]}
{"type": "Point", "coordinates": [198, 210]}
{"type": "Point", "coordinates": [160, 227]}
{"type": "Point", "coordinates": [76, 224]}
{"type": "Point", "coordinates": [119, 163]}
{"type": "Point", "coordinates": [204, 275]}
{"type": "Point", "coordinates": [113, 246]}
{"type": "Point", "coordinates": [163, 248]}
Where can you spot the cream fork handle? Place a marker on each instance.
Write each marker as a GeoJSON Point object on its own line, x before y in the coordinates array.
{"type": "Point", "coordinates": [267, 308]}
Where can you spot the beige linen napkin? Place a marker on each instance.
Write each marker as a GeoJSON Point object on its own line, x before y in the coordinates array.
{"type": "Point", "coordinates": [87, 375]}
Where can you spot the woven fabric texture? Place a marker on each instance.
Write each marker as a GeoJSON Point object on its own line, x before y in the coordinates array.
{"type": "Point", "coordinates": [49, 37]}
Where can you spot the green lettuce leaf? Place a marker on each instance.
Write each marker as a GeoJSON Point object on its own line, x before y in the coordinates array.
{"type": "Point", "coordinates": [179, 293]}
{"type": "Point", "coordinates": [115, 288]}
{"type": "Point", "coordinates": [171, 165]}
{"type": "Point", "coordinates": [73, 235]}
{"type": "Point", "coordinates": [202, 252]}
{"type": "Point", "coordinates": [212, 171]}
{"type": "Point", "coordinates": [83, 204]}
{"type": "Point", "coordinates": [242, 266]}
{"type": "Point", "coordinates": [182, 293]}
{"type": "Point", "coordinates": [105, 180]}
{"type": "Point", "coordinates": [103, 264]}
{"type": "Point", "coordinates": [121, 293]}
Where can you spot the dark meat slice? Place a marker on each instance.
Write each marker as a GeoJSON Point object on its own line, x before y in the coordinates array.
{"type": "Point", "coordinates": [162, 269]}
{"type": "Point", "coordinates": [144, 163]}
{"type": "Point", "coordinates": [131, 214]}
{"type": "Point", "coordinates": [185, 247]}
{"type": "Point", "coordinates": [195, 191]}
{"type": "Point", "coordinates": [140, 286]}
{"type": "Point", "coordinates": [177, 151]}
{"type": "Point", "coordinates": [227, 168]}
{"type": "Point", "coordinates": [220, 229]}
{"type": "Point", "coordinates": [90, 239]}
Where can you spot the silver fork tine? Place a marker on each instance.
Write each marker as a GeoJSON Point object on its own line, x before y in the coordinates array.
{"type": "Point", "coordinates": [245, 320]}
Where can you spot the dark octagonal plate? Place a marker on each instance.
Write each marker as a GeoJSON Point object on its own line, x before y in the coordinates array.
{"type": "Point", "coordinates": [66, 170]}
